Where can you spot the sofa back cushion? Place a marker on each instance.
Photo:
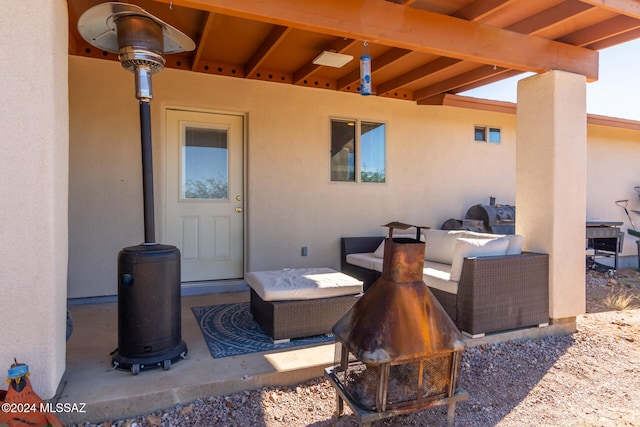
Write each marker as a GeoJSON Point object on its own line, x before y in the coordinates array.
{"type": "Point", "coordinates": [379, 252]}
{"type": "Point", "coordinates": [515, 244]}
{"type": "Point", "coordinates": [440, 245]}
{"type": "Point", "coordinates": [465, 247]}
{"type": "Point", "coordinates": [515, 240]}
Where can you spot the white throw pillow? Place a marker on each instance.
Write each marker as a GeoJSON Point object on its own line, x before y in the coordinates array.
{"type": "Point", "coordinates": [475, 248]}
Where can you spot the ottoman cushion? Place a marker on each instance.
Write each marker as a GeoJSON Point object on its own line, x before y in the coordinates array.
{"type": "Point", "coordinates": [302, 284]}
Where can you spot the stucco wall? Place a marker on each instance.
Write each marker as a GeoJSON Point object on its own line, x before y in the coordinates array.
{"type": "Point", "coordinates": [612, 174]}
{"type": "Point", "coordinates": [33, 189]}
{"type": "Point", "coordinates": [551, 172]}
{"type": "Point", "coordinates": [435, 171]}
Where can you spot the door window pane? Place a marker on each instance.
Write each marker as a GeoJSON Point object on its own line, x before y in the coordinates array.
{"type": "Point", "coordinates": [343, 158]}
{"type": "Point", "coordinates": [205, 164]}
{"type": "Point", "coordinates": [372, 149]}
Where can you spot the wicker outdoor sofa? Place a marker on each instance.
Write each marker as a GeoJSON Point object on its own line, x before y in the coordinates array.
{"type": "Point", "coordinates": [493, 293]}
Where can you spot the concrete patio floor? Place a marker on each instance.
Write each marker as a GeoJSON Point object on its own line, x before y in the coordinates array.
{"type": "Point", "coordinates": [112, 394]}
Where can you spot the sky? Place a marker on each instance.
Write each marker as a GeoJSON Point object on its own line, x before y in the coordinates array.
{"type": "Point", "coordinates": [615, 94]}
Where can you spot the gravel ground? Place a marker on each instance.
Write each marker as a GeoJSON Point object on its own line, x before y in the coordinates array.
{"type": "Point", "coordinates": [589, 378]}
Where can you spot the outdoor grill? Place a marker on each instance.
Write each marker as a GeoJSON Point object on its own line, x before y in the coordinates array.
{"type": "Point", "coordinates": [397, 351]}
{"type": "Point", "coordinates": [149, 326]}
{"type": "Point", "coordinates": [497, 219]}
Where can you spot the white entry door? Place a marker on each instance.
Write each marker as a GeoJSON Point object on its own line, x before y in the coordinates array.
{"type": "Point", "coordinates": [204, 193]}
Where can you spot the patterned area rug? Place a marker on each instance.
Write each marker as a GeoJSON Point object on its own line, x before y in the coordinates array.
{"type": "Point", "coordinates": [229, 330]}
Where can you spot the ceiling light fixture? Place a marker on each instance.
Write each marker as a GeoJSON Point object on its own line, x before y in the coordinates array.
{"type": "Point", "coordinates": [332, 59]}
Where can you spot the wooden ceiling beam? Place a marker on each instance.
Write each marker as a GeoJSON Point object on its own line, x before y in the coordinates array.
{"type": "Point", "coordinates": [385, 23]}
{"type": "Point", "coordinates": [381, 62]}
{"type": "Point", "coordinates": [553, 16]}
{"type": "Point", "coordinates": [624, 7]}
{"type": "Point", "coordinates": [480, 9]}
{"type": "Point", "coordinates": [270, 43]}
{"type": "Point", "coordinates": [602, 31]}
{"type": "Point", "coordinates": [615, 40]}
{"type": "Point", "coordinates": [204, 34]}
{"type": "Point", "coordinates": [402, 2]}
{"type": "Point", "coordinates": [453, 83]}
{"type": "Point", "coordinates": [491, 79]}
{"type": "Point", "coordinates": [434, 66]}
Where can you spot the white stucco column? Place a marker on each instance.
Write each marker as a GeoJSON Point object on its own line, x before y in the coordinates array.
{"type": "Point", "coordinates": [551, 158]}
{"type": "Point", "coordinates": [34, 147]}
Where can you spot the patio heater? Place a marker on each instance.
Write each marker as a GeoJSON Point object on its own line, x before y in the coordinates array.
{"type": "Point", "coordinates": [149, 325]}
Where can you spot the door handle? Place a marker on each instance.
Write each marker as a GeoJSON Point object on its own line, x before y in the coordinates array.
{"type": "Point", "coordinates": [238, 210]}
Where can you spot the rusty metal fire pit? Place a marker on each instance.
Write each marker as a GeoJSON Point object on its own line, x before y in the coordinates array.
{"type": "Point", "coordinates": [397, 351]}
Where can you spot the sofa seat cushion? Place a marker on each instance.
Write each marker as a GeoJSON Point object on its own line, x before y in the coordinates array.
{"type": "Point", "coordinates": [437, 275]}
{"type": "Point", "coordinates": [475, 248]}
{"type": "Point", "coordinates": [365, 260]}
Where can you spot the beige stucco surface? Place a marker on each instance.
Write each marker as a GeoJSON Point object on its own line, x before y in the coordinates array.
{"type": "Point", "coordinates": [612, 174]}
{"type": "Point", "coordinates": [551, 176]}
{"type": "Point", "coordinates": [435, 171]}
{"type": "Point", "coordinates": [33, 172]}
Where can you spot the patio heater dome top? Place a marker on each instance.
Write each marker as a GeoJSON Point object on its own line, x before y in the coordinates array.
{"type": "Point", "coordinates": [98, 26]}
{"type": "Point", "coordinates": [139, 38]}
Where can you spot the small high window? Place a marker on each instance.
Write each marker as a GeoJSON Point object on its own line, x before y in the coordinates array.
{"type": "Point", "coordinates": [480, 134]}
{"type": "Point", "coordinates": [486, 134]}
{"type": "Point", "coordinates": [494, 135]}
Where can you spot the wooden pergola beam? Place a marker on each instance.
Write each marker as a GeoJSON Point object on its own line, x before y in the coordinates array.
{"type": "Point", "coordinates": [383, 61]}
{"type": "Point", "coordinates": [553, 16]}
{"type": "Point", "coordinates": [602, 31]}
{"type": "Point", "coordinates": [480, 9]}
{"type": "Point", "coordinates": [204, 34]}
{"type": "Point", "coordinates": [394, 25]}
{"type": "Point", "coordinates": [434, 66]}
{"type": "Point", "coordinates": [623, 7]}
{"type": "Point", "coordinates": [453, 83]}
{"type": "Point", "coordinates": [272, 41]}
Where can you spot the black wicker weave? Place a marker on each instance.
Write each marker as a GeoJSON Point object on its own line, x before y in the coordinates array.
{"type": "Point", "coordinates": [495, 294]}
{"type": "Point", "coordinates": [503, 292]}
{"type": "Point", "coordinates": [299, 318]}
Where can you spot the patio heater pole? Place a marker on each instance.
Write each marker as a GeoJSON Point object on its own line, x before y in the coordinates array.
{"type": "Point", "coordinates": [147, 170]}
{"type": "Point", "coordinates": [149, 325]}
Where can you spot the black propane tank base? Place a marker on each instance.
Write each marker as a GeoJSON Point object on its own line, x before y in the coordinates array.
{"type": "Point", "coordinates": [137, 364]}
{"type": "Point", "coordinates": [149, 315]}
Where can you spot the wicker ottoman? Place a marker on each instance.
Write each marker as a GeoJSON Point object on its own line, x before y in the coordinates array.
{"type": "Point", "coordinates": [296, 303]}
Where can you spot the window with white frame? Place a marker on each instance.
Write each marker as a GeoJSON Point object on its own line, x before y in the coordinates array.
{"type": "Point", "coordinates": [358, 151]}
